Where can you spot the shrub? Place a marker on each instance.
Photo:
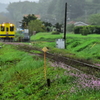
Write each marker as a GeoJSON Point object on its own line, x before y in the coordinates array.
{"type": "Point", "coordinates": [84, 31]}
{"type": "Point", "coordinates": [55, 32]}
{"type": "Point", "coordinates": [77, 29]}
{"type": "Point", "coordinates": [97, 29]}
{"type": "Point", "coordinates": [19, 36]}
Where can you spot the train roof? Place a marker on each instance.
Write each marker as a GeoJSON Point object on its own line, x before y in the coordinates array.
{"type": "Point", "coordinates": [6, 23]}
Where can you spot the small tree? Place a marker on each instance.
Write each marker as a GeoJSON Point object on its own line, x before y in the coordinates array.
{"type": "Point", "coordinates": [27, 19]}
{"type": "Point", "coordinates": [48, 26]}
{"type": "Point", "coordinates": [36, 25]}
{"type": "Point", "coordinates": [58, 27]}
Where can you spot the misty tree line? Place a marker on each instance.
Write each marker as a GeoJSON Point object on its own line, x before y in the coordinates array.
{"type": "Point", "coordinates": [53, 10]}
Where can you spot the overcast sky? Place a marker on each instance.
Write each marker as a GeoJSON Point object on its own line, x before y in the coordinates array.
{"type": "Point", "coordinates": [8, 1]}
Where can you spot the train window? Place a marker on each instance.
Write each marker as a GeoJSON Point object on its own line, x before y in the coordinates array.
{"type": "Point", "coordinates": [7, 29]}
{"type": "Point", "coordinates": [2, 28]}
{"type": "Point", "coordinates": [11, 28]}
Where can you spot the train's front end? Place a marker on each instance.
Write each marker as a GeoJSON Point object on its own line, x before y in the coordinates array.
{"type": "Point", "coordinates": [7, 30]}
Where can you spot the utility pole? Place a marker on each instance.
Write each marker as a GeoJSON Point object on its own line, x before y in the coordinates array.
{"type": "Point", "coordinates": [65, 22]}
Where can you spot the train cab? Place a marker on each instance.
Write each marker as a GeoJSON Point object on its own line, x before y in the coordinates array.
{"type": "Point", "coordinates": [7, 30]}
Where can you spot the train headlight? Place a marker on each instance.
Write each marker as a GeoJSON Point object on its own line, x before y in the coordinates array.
{"type": "Point", "coordinates": [11, 25]}
{"type": "Point", "coordinates": [3, 24]}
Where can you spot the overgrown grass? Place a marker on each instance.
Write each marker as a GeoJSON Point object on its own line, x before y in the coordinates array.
{"type": "Point", "coordinates": [46, 36]}
{"type": "Point", "coordinates": [13, 61]}
{"type": "Point", "coordinates": [82, 47]}
{"type": "Point", "coordinates": [22, 78]}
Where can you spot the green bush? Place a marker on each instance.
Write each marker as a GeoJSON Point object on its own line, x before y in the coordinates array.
{"type": "Point", "coordinates": [97, 29]}
{"type": "Point", "coordinates": [91, 29]}
{"type": "Point", "coordinates": [55, 32]}
{"type": "Point", "coordinates": [77, 29]}
{"type": "Point", "coordinates": [19, 36]}
{"type": "Point", "coordinates": [84, 31]}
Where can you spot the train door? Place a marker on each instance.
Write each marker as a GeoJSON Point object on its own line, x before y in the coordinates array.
{"type": "Point", "coordinates": [7, 31]}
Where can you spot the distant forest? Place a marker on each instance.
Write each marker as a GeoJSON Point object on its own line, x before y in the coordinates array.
{"type": "Point", "coordinates": [51, 10]}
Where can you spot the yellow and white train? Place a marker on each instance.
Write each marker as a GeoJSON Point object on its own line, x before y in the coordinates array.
{"type": "Point", "coordinates": [7, 31]}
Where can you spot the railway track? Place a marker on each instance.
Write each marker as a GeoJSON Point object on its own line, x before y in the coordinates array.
{"type": "Point", "coordinates": [80, 65]}
{"type": "Point", "coordinates": [86, 67]}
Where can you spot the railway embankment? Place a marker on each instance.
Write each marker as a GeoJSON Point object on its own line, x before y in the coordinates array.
{"type": "Point", "coordinates": [22, 77]}
{"type": "Point", "coordinates": [22, 73]}
{"type": "Point", "coordinates": [80, 64]}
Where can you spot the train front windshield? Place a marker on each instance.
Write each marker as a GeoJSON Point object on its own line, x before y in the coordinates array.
{"type": "Point", "coordinates": [2, 28]}
{"type": "Point", "coordinates": [11, 28]}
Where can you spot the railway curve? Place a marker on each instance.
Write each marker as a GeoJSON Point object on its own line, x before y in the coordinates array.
{"type": "Point", "coordinates": [86, 67]}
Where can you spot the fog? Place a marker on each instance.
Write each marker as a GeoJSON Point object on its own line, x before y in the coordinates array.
{"type": "Point", "coordinates": [10, 1]}
{"type": "Point", "coordinates": [51, 11]}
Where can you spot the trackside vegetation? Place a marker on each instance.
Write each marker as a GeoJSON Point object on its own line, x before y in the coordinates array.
{"type": "Point", "coordinates": [86, 30]}
{"type": "Point", "coordinates": [78, 46]}
{"type": "Point", "coordinates": [22, 74]}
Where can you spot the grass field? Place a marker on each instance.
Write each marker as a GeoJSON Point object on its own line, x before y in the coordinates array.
{"type": "Point", "coordinates": [83, 47]}
{"type": "Point", "coordinates": [22, 75]}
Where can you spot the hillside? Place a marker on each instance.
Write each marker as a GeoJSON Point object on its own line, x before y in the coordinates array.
{"type": "Point", "coordinates": [89, 0]}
